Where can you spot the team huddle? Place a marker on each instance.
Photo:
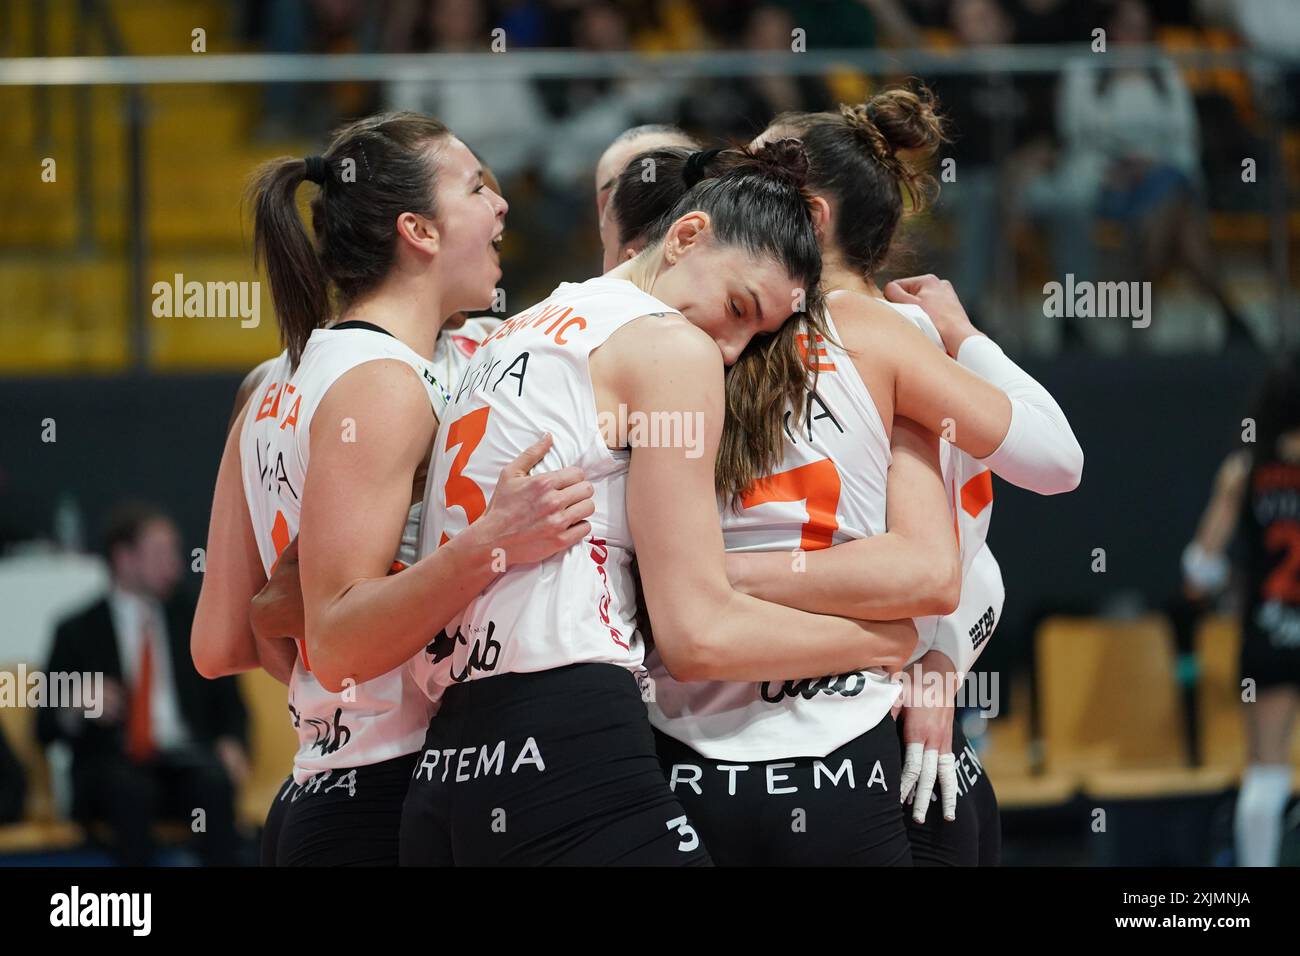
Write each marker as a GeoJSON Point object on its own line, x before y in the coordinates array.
{"type": "Point", "coordinates": [515, 635]}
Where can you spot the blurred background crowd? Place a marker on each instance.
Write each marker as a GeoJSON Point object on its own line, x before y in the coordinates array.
{"type": "Point", "coordinates": [1180, 168]}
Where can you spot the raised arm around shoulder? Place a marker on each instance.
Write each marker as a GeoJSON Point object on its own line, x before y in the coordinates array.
{"type": "Point", "coordinates": [703, 628]}
{"type": "Point", "coordinates": [221, 639]}
{"type": "Point", "coordinates": [992, 410]}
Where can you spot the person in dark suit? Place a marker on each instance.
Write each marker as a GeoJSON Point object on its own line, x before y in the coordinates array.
{"type": "Point", "coordinates": [168, 743]}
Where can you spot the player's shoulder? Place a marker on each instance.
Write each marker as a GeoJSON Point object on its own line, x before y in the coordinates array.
{"type": "Point", "coordinates": [669, 335]}
{"type": "Point", "coordinates": [383, 388]}
{"type": "Point", "coordinates": [863, 321]}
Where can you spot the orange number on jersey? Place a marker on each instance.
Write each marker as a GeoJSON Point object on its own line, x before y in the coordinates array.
{"type": "Point", "coordinates": [1284, 583]}
{"type": "Point", "coordinates": [817, 485]}
{"type": "Point", "coordinates": [466, 431]}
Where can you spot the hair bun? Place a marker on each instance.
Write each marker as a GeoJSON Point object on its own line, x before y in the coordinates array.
{"type": "Point", "coordinates": [785, 157]}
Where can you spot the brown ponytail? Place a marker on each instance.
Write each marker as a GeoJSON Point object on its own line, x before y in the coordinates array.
{"type": "Point", "coordinates": [374, 170]}
{"type": "Point", "coordinates": [771, 377]}
{"type": "Point", "coordinates": [299, 287]}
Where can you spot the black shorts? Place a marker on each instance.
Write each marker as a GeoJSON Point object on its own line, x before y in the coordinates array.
{"type": "Point", "coordinates": [975, 837]}
{"type": "Point", "coordinates": [838, 810]}
{"type": "Point", "coordinates": [339, 817]}
{"type": "Point", "coordinates": [556, 767]}
{"type": "Point", "coordinates": [1268, 657]}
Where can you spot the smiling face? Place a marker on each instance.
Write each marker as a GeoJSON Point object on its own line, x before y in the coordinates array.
{"type": "Point", "coordinates": [728, 291]}
{"type": "Point", "coordinates": [470, 221]}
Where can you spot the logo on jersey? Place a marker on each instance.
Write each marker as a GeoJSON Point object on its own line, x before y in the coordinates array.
{"type": "Point", "coordinates": [483, 656]}
{"type": "Point", "coordinates": [982, 629]}
{"type": "Point", "coordinates": [599, 555]}
{"type": "Point", "coordinates": [845, 685]}
{"type": "Point", "coordinates": [329, 737]}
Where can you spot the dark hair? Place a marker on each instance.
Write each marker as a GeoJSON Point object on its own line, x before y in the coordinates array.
{"type": "Point", "coordinates": [375, 169]}
{"type": "Point", "coordinates": [756, 200]}
{"type": "Point", "coordinates": [855, 159]}
{"type": "Point", "coordinates": [637, 203]}
{"type": "Point", "coordinates": [125, 523]}
{"type": "Point", "coordinates": [1276, 408]}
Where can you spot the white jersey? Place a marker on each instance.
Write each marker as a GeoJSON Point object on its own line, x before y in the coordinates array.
{"type": "Point", "coordinates": [528, 377]}
{"type": "Point", "coordinates": [830, 489]}
{"type": "Point", "coordinates": [382, 718]}
{"type": "Point", "coordinates": [844, 440]}
{"type": "Point", "coordinates": [961, 634]}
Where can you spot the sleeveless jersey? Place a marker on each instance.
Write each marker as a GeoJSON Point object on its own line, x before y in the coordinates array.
{"type": "Point", "coordinates": [389, 715]}
{"type": "Point", "coordinates": [830, 489]}
{"type": "Point", "coordinates": [530, 376]}
{"type": "Point", "coordinates": [1270, 524]}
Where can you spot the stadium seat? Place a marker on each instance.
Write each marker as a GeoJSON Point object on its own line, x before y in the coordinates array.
{"type": "Point", "coordinates": [40, 830]}
{"type": "Point", "coordinates": [1007, 751]}
{"type": "Point", "coordinates": [1110, 709]}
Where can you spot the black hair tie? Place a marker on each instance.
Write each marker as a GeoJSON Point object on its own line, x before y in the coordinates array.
{"type": "Point", "coordinates": [316, 170]}
{"type": "Point", "coordinates": [697, 163]}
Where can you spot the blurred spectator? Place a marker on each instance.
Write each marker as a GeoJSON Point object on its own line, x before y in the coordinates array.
{"type": "Point", "coordinates": [1131, 155]}
{"type": "Point", "coordinates": [831, 24]}
{"type": "Point", "coordinates": [168, 742]}
{"type": "Point", "coordinates": [990, 117]}
{"type": "Point", "coordinates": [501, 119]}
{"type": "Point", "coordinates": [13, 786]}
{"type": "Point", "coordinates": [740, 108]}
{"type": "Point", "coordinates": [1055, 21]}
{"type": "Point", "coordinates": [1273, 27]}
{"type": "Point", "coordinates": [589, 113]}
{"type": "Point", "coordinates": [310, 26]}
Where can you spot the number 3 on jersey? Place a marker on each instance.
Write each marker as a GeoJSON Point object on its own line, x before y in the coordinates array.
{"type": "Point", "coordinates": [459, 491]}
{"type": "Point", "coordinates": [817, 484]}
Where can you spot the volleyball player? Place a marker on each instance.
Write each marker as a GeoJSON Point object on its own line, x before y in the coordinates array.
{"type": "Point", "coordinates": [834, 594]}
{"type": "Point", "coordinates": [541, 751]}
{"type": "Point", "coordinates": [1257, 492]}
{"type": "Point", "coordinates": [329, 446]}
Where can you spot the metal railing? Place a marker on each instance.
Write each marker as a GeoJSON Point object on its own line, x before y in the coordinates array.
{"type": "Point", "coordinates": [133, 73]}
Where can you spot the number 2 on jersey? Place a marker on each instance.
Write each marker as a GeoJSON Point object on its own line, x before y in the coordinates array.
{"type": "Point", "coordinates": [817, 484]}
{"type": "Point", "coordinates": [466, 431]}
{"type": "Point", "coordinates": [1284, 583]}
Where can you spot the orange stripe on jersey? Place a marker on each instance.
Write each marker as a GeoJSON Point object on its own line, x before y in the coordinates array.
{"type": "Point", "coordinates": [977, 494]}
